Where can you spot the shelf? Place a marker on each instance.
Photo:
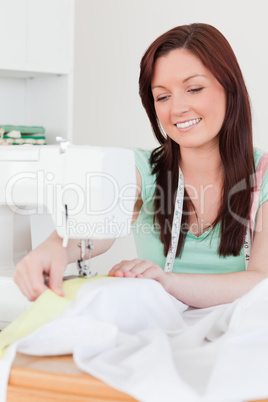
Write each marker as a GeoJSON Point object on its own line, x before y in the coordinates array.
{"type": "Point", "coordinates": [29, 71]}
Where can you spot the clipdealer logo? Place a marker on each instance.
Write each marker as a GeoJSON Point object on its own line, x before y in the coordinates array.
{"type": "Point", "coordinates": [29, 193]}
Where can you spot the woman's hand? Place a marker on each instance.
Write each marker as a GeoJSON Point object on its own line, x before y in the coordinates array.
{"type": "Point", "coordinates": [49, 259]}
{"type": "Point", "coordinates": [139, 269]}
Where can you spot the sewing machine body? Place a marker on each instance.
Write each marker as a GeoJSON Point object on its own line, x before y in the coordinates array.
{"type": "Point", "coordinates": [81, 191]}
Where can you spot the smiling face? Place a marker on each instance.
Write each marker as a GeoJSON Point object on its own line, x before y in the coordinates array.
{"type": "Point", "coordinates": [189, 102]}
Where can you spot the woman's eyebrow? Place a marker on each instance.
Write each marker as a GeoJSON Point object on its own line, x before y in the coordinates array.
{"type": "Point", "coordinates": [193, 76]}
{"type": "Point", "coordinates": [185, 80]}
{"type": "Point", "coordinates": [158, 86]}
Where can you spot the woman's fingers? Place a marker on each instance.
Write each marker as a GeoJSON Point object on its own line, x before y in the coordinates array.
{"type": "Point", "coordinates": [55, 278]}
{"type": "Point", "coordinates": [122, 267]}
{"type": "Point", "coordinates": [139, 268]}
{"type": "Point", "coordinates": [37, 287]}
{"type": "Point", "coordinates": [48, 259]}
{"type": "Point", "coordinates": [29, 277]}
{"type": "Point", "coordinates": [130, 268]}
{"type": "Point", "coordinates": [153, 272]}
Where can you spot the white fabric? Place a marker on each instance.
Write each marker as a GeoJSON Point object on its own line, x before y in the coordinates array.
{"type": "Point", "coordinates": [137, 338]}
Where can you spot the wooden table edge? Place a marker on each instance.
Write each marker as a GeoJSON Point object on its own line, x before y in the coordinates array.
{"type": "Point", "coordinates": [79, 385]}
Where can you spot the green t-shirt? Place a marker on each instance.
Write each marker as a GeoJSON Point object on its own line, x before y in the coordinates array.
{"type": "Point", "coordinates": [199, 253]}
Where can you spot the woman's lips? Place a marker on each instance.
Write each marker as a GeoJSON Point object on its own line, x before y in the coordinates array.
{"type": "Point", "coordinates": [188, 124]}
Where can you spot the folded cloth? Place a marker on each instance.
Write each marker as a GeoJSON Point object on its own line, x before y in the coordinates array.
{"type": "Point", "coordinates": [34, 140]}
{"type": "Point", "coordinates": [19, 135]}
{"type": "Point", "coordinates": [133, 335]}
{"type": "Point", "coordinates": [13, 134]}
{"type": "Point", "coordinates": [23, 129]}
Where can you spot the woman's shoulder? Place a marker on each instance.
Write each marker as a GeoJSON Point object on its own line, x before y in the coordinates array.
{"type": "Point", "coordinates": [142, 156]}
{"type": "Point", "coordinates": [258, 153]}
{"type": "Point", "coordinates": [142, 160]}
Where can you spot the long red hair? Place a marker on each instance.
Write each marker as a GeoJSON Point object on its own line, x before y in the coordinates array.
{"type": "Point", "coordinates": [235, 137]}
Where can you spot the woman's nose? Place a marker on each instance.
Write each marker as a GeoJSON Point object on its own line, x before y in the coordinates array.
{"type": "Point", "coordinates": [180, 105]}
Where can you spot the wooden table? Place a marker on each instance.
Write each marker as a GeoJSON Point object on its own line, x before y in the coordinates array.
{"type": "Point", "coordinates": [57, 379]}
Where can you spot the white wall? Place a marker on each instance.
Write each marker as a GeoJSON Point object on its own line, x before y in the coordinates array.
{"type": "Point", "coordinates": [116, 33]}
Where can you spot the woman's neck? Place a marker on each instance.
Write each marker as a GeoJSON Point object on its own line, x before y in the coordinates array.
{"type": "Point", "coordinates": [202, 165]}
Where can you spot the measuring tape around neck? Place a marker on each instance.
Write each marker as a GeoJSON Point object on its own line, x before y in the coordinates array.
{"type": "Point", "coordinates": [176, 224]}
{"type": "Point", "coordinates": [176, 227]}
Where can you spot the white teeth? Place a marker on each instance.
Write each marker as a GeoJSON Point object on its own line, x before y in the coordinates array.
{"type": "Point", "coordinates": [188, 123]}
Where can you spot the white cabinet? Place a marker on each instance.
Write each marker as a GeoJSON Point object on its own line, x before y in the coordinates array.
{"type": "Point", "coordinates": [36, 64]}
{"type": "Point", "coordinates": [36, 88]}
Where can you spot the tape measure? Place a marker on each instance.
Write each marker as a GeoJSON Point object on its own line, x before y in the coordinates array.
{"type": "Point", "coordinates": [176, 223]}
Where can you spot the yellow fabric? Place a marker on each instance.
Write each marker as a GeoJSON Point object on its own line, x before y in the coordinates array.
{"type": "Point", "coordinates": [43, 310]}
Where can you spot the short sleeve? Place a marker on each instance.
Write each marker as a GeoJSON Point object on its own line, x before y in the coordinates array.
{"type": "Point", "coordinates": [142, 160]}
{"type": "Point", "coordinates": [264, 189]}
{"type": "Point", "coordinates": [264, 186]}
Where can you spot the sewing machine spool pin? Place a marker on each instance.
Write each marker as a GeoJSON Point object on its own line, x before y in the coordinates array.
{"type": "Point", "coordinates": [63, 144]}
{"type": "Point", "coordinates": [83, 267]}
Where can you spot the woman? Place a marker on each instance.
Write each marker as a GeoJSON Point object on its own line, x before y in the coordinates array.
{"type": "Point", "coordinates": [194, 94]}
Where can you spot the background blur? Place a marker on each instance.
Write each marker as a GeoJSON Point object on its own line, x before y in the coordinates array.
{"type": "Point", "coordinates": [117, 32]}
{"type": "Point", "coordinates": [73, 66]}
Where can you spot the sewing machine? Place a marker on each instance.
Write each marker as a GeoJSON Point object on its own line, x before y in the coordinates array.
{"type": "Point", "coordinates": [83, 192]}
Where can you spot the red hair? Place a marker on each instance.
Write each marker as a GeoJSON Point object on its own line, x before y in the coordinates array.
{"type": "Point", "coordinates": [235, 136]}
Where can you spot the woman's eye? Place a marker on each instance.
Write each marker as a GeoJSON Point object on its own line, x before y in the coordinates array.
{"type": "Point", "coordinates": [162, 98]}
{"type": "Point", "coordinates": [195, 90]}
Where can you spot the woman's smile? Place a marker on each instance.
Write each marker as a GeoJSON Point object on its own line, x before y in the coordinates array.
{"type": "Point", "coordinates": [188, 124]}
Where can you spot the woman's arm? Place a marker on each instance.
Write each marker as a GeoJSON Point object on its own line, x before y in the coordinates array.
{"type": "Point", "coordinates": [51, 259]}
{"type": "Point", "coordinates": [204, 290]}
